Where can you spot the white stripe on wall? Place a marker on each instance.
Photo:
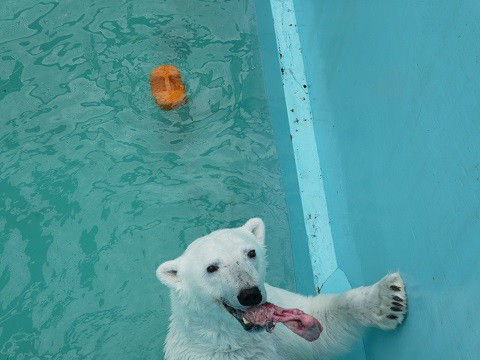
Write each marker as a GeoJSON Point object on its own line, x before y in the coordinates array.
{"type": "Point", "coordinates": [309, 172]}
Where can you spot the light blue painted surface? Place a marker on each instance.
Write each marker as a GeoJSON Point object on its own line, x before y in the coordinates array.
{"type": "Point", "coordinates": [310, 178]}
{"type": "Point", "coordinates": [395, 94]}
{"type": "Point", "coordinates": [276, 102]}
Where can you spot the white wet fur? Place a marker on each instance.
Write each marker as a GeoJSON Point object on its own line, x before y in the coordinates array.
{"type": "Point", "coordinates": [201, 328]}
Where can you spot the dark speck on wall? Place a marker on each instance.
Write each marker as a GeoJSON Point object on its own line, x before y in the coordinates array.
{"type": "Point", "coordinates": [293, 110]}
{"type": "Point", "coordinates": [304, 86]}
{"type": "Point", "coordinates": [283, 71]}
{"type": "Point", "coordinates": [291, 137]}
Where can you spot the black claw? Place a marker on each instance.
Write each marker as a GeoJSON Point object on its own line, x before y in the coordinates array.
{"type": "Point", "coordinates": [394, 288]}
{"type": "Point", "coordinates": [395, 308]}
{"type": "Point", "coordinates": [396, 298]}
{"type": "Point", "coordinates": [393, 317]}
{"type": "Point", "coordinates": [397, 304]}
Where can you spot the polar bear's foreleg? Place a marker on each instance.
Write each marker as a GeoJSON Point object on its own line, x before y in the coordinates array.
{"type": "Point", "coordinates": [345, 316]}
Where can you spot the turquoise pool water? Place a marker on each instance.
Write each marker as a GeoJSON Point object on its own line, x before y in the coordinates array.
{"type": "Point", "coordinates": [98, 186]}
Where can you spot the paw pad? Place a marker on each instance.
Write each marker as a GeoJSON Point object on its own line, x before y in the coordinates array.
{"type": "Point", "coordinates": [393, 301]}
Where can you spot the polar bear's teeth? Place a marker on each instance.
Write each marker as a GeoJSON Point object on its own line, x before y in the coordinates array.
{"type": "Point", "coordinates": [245, 321]}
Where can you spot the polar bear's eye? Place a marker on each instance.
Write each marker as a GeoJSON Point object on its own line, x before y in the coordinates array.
{"type": "Point", "coordinates": [212, 268]}
{"type": "Point", "coordinates": [251, 254]}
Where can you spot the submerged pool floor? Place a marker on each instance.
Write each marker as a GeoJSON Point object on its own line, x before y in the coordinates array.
{"type": "Point", "coordinates": [98, 186]}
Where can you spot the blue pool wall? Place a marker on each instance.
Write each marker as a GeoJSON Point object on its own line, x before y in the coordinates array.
{"type": "Point", "coordinates": [277, 106]}
{"type": "Point", "coordinates": [395, 95]}
{"type": "Point", "coordinates": [396, 100]}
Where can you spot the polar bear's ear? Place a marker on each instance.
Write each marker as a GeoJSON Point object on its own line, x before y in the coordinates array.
{"type": "Point", "coordinates": [257, 228]}
{"type": "Point", "coordinates": [168, 274]}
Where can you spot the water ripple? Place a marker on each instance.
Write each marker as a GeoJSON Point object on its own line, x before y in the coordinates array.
{"type": "Point", "coordinates": [98, 186]}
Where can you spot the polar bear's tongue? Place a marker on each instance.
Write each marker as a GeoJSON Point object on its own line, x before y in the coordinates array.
{"type": "Point", "coordinates": [296, 320]}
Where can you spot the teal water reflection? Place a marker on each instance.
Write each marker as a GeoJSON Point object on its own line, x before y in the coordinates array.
{"type": "Point", "coordinates": [98, 186]}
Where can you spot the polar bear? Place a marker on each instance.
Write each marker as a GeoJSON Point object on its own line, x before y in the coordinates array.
{"type": "Point", "coordinates": [221, 275]}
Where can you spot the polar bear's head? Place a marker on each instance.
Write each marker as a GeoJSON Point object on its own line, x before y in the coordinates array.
{"type": "Point", "coordinates": [226, 267]}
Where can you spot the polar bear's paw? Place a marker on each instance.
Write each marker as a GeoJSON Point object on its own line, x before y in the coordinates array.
{"type": "Point", "coordinates": [391, 300]}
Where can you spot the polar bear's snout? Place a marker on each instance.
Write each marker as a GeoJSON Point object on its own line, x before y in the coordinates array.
{"type": "Point", "coordinates": [250, 297]}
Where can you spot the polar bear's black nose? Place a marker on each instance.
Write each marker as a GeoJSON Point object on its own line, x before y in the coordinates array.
{"type": "Point", "coordinates": [250, 297]}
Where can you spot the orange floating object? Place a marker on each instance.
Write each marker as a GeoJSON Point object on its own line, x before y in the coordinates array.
{"type": "Point", "coordinates": [167, 87]}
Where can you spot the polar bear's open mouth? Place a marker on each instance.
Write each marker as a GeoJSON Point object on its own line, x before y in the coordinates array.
{"type": "Point", "coordinates": [266, 315]}
{"type": "Point", "coordinates": [239, 315]}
